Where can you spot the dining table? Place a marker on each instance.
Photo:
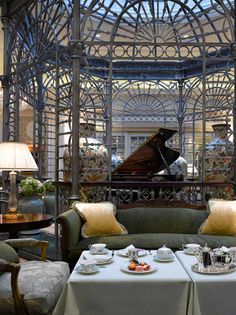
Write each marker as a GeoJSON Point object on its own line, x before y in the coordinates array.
{"type": "Point", "coordinates": [115, 290]}
{"type": "Point", "coordinates": [212, 293]}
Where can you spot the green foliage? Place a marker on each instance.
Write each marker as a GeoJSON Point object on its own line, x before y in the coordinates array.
{"type": "Point", "coordinates": [48, 186]}
{"type": "Point", "coordinates": [33, 187]}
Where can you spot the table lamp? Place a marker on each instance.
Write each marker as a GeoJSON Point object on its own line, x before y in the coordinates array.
{"type": "Point", "coordinates": [15, 156]}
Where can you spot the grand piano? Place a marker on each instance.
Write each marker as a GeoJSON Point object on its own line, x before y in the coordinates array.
{"type": "Point", "coordinates": [152, 157]}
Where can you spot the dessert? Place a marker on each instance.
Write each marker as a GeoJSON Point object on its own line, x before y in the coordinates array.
{"type": "Point", "coordinates": [132, 265]}
{"type": "Point", "coordinates": [139, 268]}
{"type": "Point", "coordinates": [143, 266]}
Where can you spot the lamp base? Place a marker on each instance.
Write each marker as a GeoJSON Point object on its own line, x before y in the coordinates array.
{"type": "Point", "coordinates": [12, 215]}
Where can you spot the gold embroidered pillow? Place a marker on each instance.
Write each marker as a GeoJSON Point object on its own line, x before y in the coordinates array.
{"type": "Point", "coordinates": [100, 219]}
{"type": "Point", "coordinates": [79, 206]}
{"type": "Point", "coordinates": [222, 218]}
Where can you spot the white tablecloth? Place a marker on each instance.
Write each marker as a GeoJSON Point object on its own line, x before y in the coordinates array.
{"type": "Point", "coordinates": [211, 294]}
{"type": "Point", "coordinates": [114, 292]}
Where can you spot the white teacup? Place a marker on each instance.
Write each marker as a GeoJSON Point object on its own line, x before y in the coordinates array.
{"type": "Point", "coordinates": [87, 265]}
{"type": "Point", "coordinates": [164, 253]}
{"type": "Point", "coordinates": [190, 248]}
{"type": "Point", "coordinates": [97, 248]}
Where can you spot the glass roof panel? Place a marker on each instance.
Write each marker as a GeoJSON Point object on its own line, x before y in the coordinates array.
{"type": "Point", "coordinates": [153, 21]}
{"type": "Point", "coordinates": [117, 5]}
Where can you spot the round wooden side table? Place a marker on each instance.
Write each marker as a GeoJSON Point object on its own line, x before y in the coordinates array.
{"type": "Point", "coordinates": [29, 221]}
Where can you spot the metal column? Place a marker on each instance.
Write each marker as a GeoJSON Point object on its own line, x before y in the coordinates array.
{"type": "Point", "coordinates": [76, 47]}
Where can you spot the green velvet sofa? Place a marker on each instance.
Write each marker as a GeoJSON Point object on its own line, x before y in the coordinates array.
{"type": "Point", "coordinates": [149, 224]}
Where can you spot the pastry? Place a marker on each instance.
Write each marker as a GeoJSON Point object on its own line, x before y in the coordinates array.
{"type": "Point", "coordinates": [132, 266]}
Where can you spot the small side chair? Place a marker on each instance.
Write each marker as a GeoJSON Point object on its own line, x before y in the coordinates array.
{"type": "Point", "coordinates": [29, 287]}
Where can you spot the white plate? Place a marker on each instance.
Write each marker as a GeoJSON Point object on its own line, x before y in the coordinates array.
{"type": "Point", "coordinates": [80, 270]}
{"type": "Point", "coordinates": [126, 269]}
{"type": "Point", "coordinates": [195, 268]}
{"type": "Point", "coordinates": [124, 253]}
{"type": "Point", "coordinates": [103, 252]}
{"type": "Point", "coordinates": [163, 260]}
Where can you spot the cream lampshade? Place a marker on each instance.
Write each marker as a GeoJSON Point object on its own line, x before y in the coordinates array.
{"type": "Point", "coordinates": [15, 156]}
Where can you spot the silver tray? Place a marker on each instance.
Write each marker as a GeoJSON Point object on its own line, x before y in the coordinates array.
{"type": "Point", "coordinates": [213, 271]}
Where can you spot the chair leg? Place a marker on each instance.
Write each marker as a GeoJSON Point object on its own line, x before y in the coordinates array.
{"type": "Point", "coordinates": [20, 307]}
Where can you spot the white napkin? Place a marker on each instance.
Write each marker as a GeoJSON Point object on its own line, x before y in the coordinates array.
{"type": "Point", "coordinates": [126, 249]}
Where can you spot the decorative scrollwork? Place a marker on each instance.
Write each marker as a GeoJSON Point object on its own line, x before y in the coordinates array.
{"type": "Point", "coordinates": [143, 49]}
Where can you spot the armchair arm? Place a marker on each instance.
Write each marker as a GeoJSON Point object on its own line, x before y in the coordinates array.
{"type": "Point", "coordinates": [27, 243]}
{"type": "Point", "coordinates": [14, 269]}
{"type": "Point", "coordinates": [71, 224]}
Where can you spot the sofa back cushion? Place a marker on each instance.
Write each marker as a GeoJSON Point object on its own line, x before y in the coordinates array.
{"type": "Point", "coordinates": [161, 220]}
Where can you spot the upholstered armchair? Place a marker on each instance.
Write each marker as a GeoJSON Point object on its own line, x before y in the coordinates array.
{"type": "Point", "coordinates": [29, 287]}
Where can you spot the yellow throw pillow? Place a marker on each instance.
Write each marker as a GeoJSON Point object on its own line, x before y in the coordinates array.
{"type": "Point", "coordinates": [222, 218]}
{"type": "Point", "coordinates": [100, 219]}
{"type": "Point", "coordinates": [80, 206]}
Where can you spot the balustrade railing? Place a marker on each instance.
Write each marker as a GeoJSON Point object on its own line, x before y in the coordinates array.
{"type": "Point", "coordinates": [124, 192]}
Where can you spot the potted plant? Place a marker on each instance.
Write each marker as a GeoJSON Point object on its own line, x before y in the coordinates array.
{"type": "Point", "coordinates": [49, 197]}
{"type": "Point", "coordinates": [31, 187]}
{"type": "Point", "coordinates": [31, 193]}
{"type": "Point", "coordinates": [49, 187]}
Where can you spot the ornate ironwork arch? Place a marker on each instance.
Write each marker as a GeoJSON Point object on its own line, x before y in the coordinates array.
{"type": "Point", "coordinates": [146, 101]}
{"type": "Point", "coordinates": [219, 96]}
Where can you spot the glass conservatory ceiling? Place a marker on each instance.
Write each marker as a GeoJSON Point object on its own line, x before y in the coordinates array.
{"type": "Point", "coordinates": [157, 21]}
{"type": "Point", "coordinates": [159, 5]}
{"type": "Point", "coordinates": [126, 30]}
{"type": "Point", "coordinates": [153, 21]}
{"type": "Point", "coordinates": [171, 38]}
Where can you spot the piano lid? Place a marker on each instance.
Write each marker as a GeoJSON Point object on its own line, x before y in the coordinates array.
{"type": "Point", "coordinates": [150, 158]}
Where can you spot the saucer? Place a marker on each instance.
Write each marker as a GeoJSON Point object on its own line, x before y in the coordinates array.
{"type": "Point", "coordinates": [104, 261]}
{"type": "Point", "coordinates": [99, 259]}
{"type": "Point", "coordinates": [103, 252]}
{"type": "Point", "coordinates": [189, 253]}
{"type": "Point", "coordinates": [80, 270]}
{"type": "Point", "coordinates": [164, 259]}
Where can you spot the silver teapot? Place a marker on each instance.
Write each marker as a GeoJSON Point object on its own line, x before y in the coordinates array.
{"type": "Point", "coordinates": [221, 257]}
{"type": "Point", "coordinates": [203, 255]}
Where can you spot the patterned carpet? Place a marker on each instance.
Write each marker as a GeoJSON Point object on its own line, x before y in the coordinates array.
{"type": "Point", "coordinates": [46, 234]}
